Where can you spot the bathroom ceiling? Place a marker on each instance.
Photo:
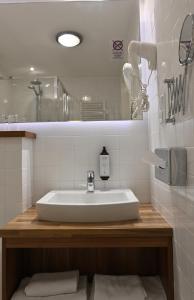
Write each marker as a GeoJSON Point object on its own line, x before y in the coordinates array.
{"type": "Point", "coordinates": [28, 37]}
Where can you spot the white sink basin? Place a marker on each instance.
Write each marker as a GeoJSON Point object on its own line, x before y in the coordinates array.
{"type": "Point", "coordinates": [80, 206]}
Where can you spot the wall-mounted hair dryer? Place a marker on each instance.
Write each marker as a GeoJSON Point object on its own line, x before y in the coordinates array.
{"type": "Point", "coordinates": [132, 77]}
{"type": "Point", "coordinates": [138, 50]}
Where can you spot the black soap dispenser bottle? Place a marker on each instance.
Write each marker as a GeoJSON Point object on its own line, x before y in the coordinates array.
{"type": "Point", "coordinates": [104, 164]}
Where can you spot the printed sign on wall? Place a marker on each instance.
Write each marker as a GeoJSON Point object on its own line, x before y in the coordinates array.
{"type": "Point", "coordinates": [117, 49]}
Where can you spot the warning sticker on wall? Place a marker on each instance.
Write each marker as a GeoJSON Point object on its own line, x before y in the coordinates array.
{"type": "Point", "coordinates": [117, 49]}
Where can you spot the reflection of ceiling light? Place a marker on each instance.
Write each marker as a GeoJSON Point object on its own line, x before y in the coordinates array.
{"type": "Point", "coordinates": [47, 85]}
{"type": "Point", "coordinates": [86, 98]}
{"type": "Point", "coordinates": [32, 69]}
{"type": "Point", "coordinates": [69, 39]}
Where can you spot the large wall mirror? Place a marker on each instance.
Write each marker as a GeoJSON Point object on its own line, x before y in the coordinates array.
{"type": "Point", "coordinates": [43, 81]}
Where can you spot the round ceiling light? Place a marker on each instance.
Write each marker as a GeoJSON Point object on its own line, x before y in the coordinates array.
{"type": "Point", "coordinates": [69, 39]}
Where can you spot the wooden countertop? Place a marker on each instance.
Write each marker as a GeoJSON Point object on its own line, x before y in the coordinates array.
{"type": "Point", "coordinates": [26, 225]}
{"type": "Point", "coordinates": [17, 133]}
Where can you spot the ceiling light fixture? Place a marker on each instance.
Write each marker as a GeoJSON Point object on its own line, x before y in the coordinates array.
{"type": "Point", "coordinates": [32, 69]}
{"type": "Point", "coordinates": [69, 39]}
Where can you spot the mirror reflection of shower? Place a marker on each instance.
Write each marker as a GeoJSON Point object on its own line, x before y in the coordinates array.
{"type": "Point", "coordinates": [35, 86]}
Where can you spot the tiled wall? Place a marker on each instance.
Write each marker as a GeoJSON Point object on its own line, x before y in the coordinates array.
{"type": "Point", "coordinates": [27, 172]}
{"type": "Point", "coordinates": [64, 152]}
{"type": "Point", "coordinates": [161, 21]}
{"type": "Point", "coordinates": [15, 177]}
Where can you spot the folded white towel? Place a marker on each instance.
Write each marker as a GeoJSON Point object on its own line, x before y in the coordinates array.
{"type": "Point", "coordinates": [117, 288]}
{"type": "Point", "coordinates": [154, 288]}
{"type": "Point", "coordinates": [80, 295]}
{"type": "Point", "coordinates": [51, 284]}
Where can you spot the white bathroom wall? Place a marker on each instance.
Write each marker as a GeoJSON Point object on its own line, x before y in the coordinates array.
{"type": "Point", "coordinates": [15, 177]}
{"type": "Point", "coordinates": [10, 187]}
{"type": "Point", "coordinates": [64, 152]}
{"type": "Point", "coordinates": [62, 158]}
{"type": "Point", "coordinates": [161, 21]}
{"type": "Point", "coordinates": [16, 180]}
{"type": "Point", "coordinates": [27, 172]}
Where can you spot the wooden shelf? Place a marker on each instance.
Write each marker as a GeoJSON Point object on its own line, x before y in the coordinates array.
{"type": "Point", "coordinates": [26, 225]}
{"type": "Point", "coordinates": [142, 246]}
{"type": "Point", "coordinates": [17, 133]}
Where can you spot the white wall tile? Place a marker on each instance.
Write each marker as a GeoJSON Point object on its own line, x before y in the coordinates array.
{"type": "Point", "coordinates": [15, 177]}
{"type": "Point", "coordinates": [66, 155]}
{"type": "Point", "coordinates": [175, 204]}
{"type": "Point", "coordinates": [64, 152]}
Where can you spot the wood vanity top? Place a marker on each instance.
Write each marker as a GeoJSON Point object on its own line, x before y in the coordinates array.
{"type": "Point", "coordinates": [142, 247]}
{"type": "Point", "coordinates": [26, 225]}
{"type": "Point", "coordinates": [17, 133]}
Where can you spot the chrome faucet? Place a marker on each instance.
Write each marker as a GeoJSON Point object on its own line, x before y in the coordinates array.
{"type": "Point", "coordinates": [90, 182]}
